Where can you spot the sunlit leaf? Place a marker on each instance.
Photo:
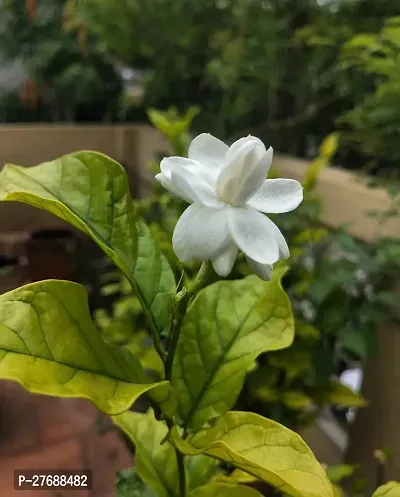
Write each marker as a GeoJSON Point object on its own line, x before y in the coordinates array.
{"type": "Point", "coordinates": [50, 345]}
{"type": "Point", "coordinates": [155, 463]}
{"type": "Point", "coordinates": [224, 490]}
{"type": "Point", "coordinates": [227, 326]}
{"type": "Point", "coordinates": [263, 448]}
{"type": "Point", "coordinates": [342, 395]}
{"type": "Point", "coordinates": [91, 192]}
{"type": "Point", "coordinates": [391, 489]}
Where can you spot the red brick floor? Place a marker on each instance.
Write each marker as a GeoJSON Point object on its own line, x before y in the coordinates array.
{"type": "Point", "coordinates": [38, 432]}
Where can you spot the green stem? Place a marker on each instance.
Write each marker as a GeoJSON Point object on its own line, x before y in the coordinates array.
{"type": "Point", "coordinates": [181, 472]}
{"type": "Point", "coordinates": [183, 299]}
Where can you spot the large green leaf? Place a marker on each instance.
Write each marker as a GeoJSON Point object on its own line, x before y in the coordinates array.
{"type": "Point", "coordinates": [391, 489]}
{"type": "Point", "coordinates": [155, 463]}
{"type": "Point", "coordinates": [50, 345]}
{"type": "Point", "coordinates": [226, 327]}
{"type": "Point", "coordinates": [91, 192]}
{"type": "Point", "coordinates": [263, 448]}
{"type": "Point", "coordinates": [224, 490]}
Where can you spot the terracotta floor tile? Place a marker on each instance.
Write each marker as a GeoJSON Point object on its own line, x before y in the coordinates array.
{"type": "Point", "coordinates": [65, 455]}
{"type": "Point", "coordinates": [61, 418]}
{"type": "Point", "coordinates": [19, 427]}
{"type": "Point", "coordinates": [105, 455]}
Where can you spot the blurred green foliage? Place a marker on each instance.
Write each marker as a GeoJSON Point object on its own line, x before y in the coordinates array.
{"type": "Point", "coordinates": [278, 69]}
{"type": "Point", "coordinates": [340, 290]}
{"type": "Point", "coordinates": [68, 76]}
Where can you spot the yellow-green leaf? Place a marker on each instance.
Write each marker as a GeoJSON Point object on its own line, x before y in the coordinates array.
{"type": "Point", "coordinates": [391, 489]}
{"type": "Point", "coordinates": [224, 490]}
{"type": "Point", "coordinates": [329, 145]}
{"type": "Point", "coordinates": [155, 463]}
{"type": "Point", "coordinates": [226, 327]}
{"type": "Point", "coordinates": [200, 470]}
{"type": "Point", "coordinates": [339, 472]}
{"type": "Point", "coordinates": [263, 448]}
{"type": "Point", "coordinates": [313, 172]}
{"type": "Point", "coordinates": [296, 400]}
{"type": "Point", "coordinates": [341, 395]}
{"type": "Point", "coordinates": [237, 476]}
{"type": "Point", "coordinates": [91, 192]}
{"type": "Point", "coordinates": [50, 345]}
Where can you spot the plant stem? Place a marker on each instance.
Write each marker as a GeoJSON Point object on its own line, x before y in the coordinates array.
{"type": "Point", "coordinates": [182, 301]}
{"type": "Point", "coordinates": [181, 472]}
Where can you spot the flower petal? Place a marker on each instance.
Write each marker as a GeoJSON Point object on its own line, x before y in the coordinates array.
{"type": "Point", "coordinates": [245, 170]}
{"type": "Point", "coordinates": [201, 233]}
{"type": "Point", "coordinates": [263, 271]}
{"type": "Point", "coordinates": [224, 262]}
{"type": "Point", "coordinates": [233, 149]}
{"type": "Point", "coordinates": [168, 185]}
{"type": "Point", "coordinates": [168, 164]}
{"type": "Point", "coordinates": [254, 234]}
{"type": "Point", "coordinates": [208, 150]}
{"type": "Point", "coordinates": [195, 187]}
{"type": "Point", "coordinates": [282, 245]}
{"type": "Point", "coordinates": [277, 195]}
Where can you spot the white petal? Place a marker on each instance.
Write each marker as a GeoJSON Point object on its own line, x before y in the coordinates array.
{"type": "Point", "coordinates": [224, 262]}
{"type": "Point", "coordinates": [263, 271]}
{"type": "Point", "coordinates": [233, 149]}
{"type": "Point", "coordinates": [168, 185]}
{"type": "Point", "coordinates": [168, 164]}
{"type": "Point", "coordinates": [245, 170]}
{"type": "Point", "coordinates": [283, 246]}
{"type": "Point", "coordinates": [208, 150]}
{"type": "Point", "coordinates": [201, 233]}
{"type": "Point", "coordinates": [195, 187]}
{"type": "Point", "coordinates": [277, 195]}
{"type": "Point", "coordinates": [254, 234]}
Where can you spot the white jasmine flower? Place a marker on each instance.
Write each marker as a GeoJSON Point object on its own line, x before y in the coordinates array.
{"type": "Point", "coordinates": [229, 193]}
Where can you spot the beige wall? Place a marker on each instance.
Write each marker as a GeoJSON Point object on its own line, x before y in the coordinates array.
{"type": "Point", "coordinates": [28, 145]}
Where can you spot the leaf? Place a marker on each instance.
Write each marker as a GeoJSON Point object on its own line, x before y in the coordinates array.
{"type": "Point", "coordinates": [200, 470]}
{"type": "Point", "coordinates": [296, 400]}
{"type": "Point", "coordinates": [226, 327]}
{"type": "Point", "coordinates": [147, 433]}
{"type": "Point", "coordinates": [91, 192]}
{"type": "Point", "coordinates": [391, 489]}
{"type": "Point", "coordinates": [224, 490]}
{"type": "Point", "coordinates": [241, 476]}
{"type": "Point", "coordinates": [329, 146]}
{"type": "Point", "coordinates": [155, 463]}
{"type": "Point", "coordinates": [50, 345]}
{"type": "Point", "coordinates": [341, 395]}
{"type": "Point", "coordinates": [128, 484]}
{"type": "Point", "coordinates": [339, 472]}
{"type": "Point", "coordinates": [313, 172]}
{"type": "Point", "coordinates": [263, 448]}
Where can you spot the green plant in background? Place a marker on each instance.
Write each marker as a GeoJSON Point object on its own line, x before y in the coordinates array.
{"type": "Point", "coordinates": [273, 69]}
{"type": "Point", "coordinates": [375, 119]}
{"type": "Point", "coordinates": [68, 77]}
{"type": "Point", "coordinates": [50, 345]}
{"type": "Point", "coordinates": [340, 474]}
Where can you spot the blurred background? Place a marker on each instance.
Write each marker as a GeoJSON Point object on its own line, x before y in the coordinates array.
{"type": "Point", "coordinates": [319, 81]}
